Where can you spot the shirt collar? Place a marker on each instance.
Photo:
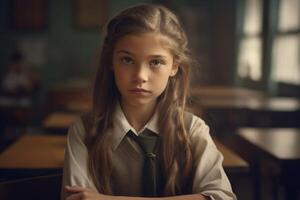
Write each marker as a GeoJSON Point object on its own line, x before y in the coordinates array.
{"type": "Point", "coordinates": [121, 126]}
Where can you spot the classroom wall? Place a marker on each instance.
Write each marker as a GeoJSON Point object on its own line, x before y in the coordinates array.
{"type": "Point", "coordinates": [69, 52]}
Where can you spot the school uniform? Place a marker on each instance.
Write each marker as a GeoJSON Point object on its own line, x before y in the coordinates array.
{"type": "Point", "coordinates": [127, 159]}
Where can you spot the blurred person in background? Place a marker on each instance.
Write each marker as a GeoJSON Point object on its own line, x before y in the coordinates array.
{"type": "Point", "coordinates": [18, 80]}
{"type": "Point", "coordinates": [19, 86]}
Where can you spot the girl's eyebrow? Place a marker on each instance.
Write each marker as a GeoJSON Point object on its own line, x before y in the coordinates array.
{"type": "Point", "coordinates": [151, 56]}
{"type": "Point", "coordinates": [157, 56]}
{"type": "Point", "coordinates": [124, 51]}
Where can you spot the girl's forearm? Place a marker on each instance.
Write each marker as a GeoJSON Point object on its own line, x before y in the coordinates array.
{"type": "Point", "coordinates": [180, 197]}
{"type": "Point", "coordinates": [77, 192]}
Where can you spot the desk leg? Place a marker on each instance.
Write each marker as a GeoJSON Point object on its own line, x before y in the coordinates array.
{"type": "Point", "coordinates": [275, 187]}
{"type": "Point", "coordinates": [256, 174]}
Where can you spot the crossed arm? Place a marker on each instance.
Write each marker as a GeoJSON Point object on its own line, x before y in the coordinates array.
{"type": "Point", "coordinates": [81, 193]}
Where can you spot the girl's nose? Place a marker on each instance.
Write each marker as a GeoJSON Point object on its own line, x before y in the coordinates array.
{"type": "Point", "coordinates": [141, 74]}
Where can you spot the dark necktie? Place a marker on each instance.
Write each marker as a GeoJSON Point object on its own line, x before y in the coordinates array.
{"type": "Point", "coordinates": [148, 140]}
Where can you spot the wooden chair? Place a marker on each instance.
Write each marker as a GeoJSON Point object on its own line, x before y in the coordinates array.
{"type": "Point", "coordinates": [42, 187]}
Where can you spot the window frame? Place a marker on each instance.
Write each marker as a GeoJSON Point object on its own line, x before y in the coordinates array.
{"type": "Point", "coordinates": [270, 23]}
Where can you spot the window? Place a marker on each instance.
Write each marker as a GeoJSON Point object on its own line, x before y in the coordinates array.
{"type": "Point", "coordinates": [268, 46]}
{"type": "Point", "coordinates": [289, 15]}
{"type": "Point", "coordinates": [250, 58]}
{"type": "Point", "coordinates": [285, 61]}
{"type": "Point", "coordinates": [286, 44]}
{"type": "Point", "coordinates": [250, 44]}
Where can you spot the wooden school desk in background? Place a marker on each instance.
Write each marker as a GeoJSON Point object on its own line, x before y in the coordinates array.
{"type": "Point", "coordinates": [224, 92]}
{"type": "Point", "coordinates": [279, 149]}
{"type": "Point", "coordinates": [228, 108]}
{"type": "Point", "coordinates": [78, 106]}
{"type": "Point", "coordinates": [70, 91]}
{"type": "Point", "coordinates": [35, 152]}
{"type": "Point", "coordinates": [239, 98]}
{"type": "Point", "coordinates": [59, 121]}
{"type": "Point", "coordinates": [31, 156]}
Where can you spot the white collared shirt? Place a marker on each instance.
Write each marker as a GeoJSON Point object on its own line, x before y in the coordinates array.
{"type": "Point", "coordinates": [122, 126]}
{"type": "Point", "coordinates": [127, 159]}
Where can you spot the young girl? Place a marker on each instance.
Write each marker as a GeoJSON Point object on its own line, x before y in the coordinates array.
{"type": "Point", "coordinates": [138, 142]}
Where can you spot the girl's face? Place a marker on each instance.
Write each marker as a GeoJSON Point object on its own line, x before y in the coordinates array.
{"type": "Point", "coordinates": [142, 65]}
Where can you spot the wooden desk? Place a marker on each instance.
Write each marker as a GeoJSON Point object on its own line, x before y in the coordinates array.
{"type": "Point", "coordinates": [224, 92]}
{"type": "Point", "coordinates": [59, 120]}
{"type": "Point", "coordinates": [227, 114]}
{"type": "Point", "coordinates": [47, 151]}
{"type": "Point", "coordinates": [254, 103]}
{"type": "Point", "coordinates": [78, 106]}
{"type": "Point", "coordinates": [282, 147]}
{"type": "Point", "coordinates": [237, 98]}
{"type": "Point", "coordinates": [35, 152]}
{"type": "Point", "coordinates": [70, 91]}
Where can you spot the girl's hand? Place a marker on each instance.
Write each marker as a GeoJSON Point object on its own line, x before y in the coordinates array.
{"type": "Point", "coordinates": [81, 193]}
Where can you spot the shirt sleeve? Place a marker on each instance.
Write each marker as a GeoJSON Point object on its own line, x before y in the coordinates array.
{"type": "Point", "coordinates": [210, 178]}
{"type": "Point", "coordinates": [75, 170]}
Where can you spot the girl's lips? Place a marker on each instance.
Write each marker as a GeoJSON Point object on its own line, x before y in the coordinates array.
{"type": "Point", "coordinates": [139, 90]}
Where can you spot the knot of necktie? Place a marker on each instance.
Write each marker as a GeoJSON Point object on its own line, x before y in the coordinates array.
{"type": "Point", "coordinates": [151, 155]}
{"type": "Point", "coordinates": [147, 140]}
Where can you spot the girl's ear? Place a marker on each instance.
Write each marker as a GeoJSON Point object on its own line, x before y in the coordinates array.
{"type": "Point", "coordinates": [174, 69]}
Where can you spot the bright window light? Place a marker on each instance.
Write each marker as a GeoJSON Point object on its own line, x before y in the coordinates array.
{"type": "Point", "coordinates": [249, 61]}
{"type": "Point", "coordinates": [286, 59]}
{"type": "Point", "coordinates": [253, 17]}
{"type": "Point", "coordinates": [289, 15]}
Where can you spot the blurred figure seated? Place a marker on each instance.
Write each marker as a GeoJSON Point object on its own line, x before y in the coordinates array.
{"type": "Point", "coordinates": [19, 87]}
{"type": "Point", "coordinates": [18, 83]}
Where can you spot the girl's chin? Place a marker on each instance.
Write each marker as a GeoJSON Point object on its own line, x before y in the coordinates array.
{"type": "Point", "coordinates": [139, 102]}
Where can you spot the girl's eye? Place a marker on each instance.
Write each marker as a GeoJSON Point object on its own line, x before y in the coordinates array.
{"type": "Point", "coordinates": [157, 63]}
{"type": "Point", "coordinates": [127, 60]}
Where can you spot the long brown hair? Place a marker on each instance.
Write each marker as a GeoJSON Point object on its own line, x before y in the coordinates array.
{"type": "Point", "coordinates": [171, 103]}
